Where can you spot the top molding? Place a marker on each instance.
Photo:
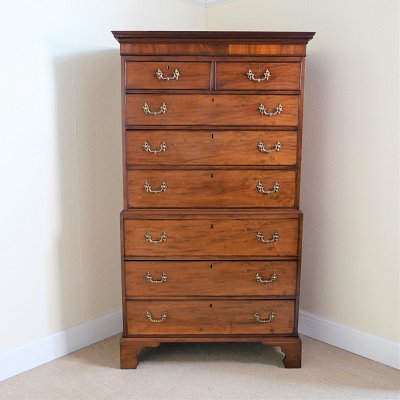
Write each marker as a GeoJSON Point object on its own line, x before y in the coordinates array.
{"type": "Point", "coordinates": [210, 43]}
{"type": "Point", "coordinates": [208, 3]}
{"type": "Point", "coordinates": [221, 36]}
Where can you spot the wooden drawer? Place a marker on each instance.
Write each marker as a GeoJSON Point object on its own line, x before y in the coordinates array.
{"type": "Point", "coordinates": [199, 109]}
{"type": "Point", "coordinates": [245, 75]}
{"type": "Point", "coordinates": [210, 317]}
{"type": "Point", "coordinates": [211, 147]}
{"type": "Point", "coordinates": [210, 278]}
{"type": "Point", "coordinates": [194, 238]}
{"type": "Point", "coordinates": [153, 75]}
{"type": "Point", "coordinates": [211, 188]}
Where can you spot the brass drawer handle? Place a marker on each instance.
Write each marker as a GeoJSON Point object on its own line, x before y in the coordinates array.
{"type": "Point", "coordinates": [163, 238]}
{"type": "Point", "coordinates": [163, 109]}
{"type": "Point", "coordinates": [163, 318]}
{"type": "Point", "coordinates": [163, 278]}
{"type": "Point", "coordinates": [148, 189]}
{"type": "Point", "coordinates": [147, 147]}
{"type": "Point", "coordinates": [262, 148]}
{"type": "Point", "coordinates": [261, 189]}
{"type": "Point", "coordinates": [270, 318]}
{"type": "Point", "coordinates": [263, 110]}
{"type": "Point", "coordinates": [160, 75]}
{"type": "Point", "coordinates": [251, 76]}
{"type": "Point", "coordinates": [260, 237]}
{"type": "Point", "coordinates": [273, 278]}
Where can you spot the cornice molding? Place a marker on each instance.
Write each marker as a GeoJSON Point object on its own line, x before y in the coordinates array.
{"type": "Point", "coordinates": [213, 36]}
{"type": "Point", "coordinates": [208, 3]}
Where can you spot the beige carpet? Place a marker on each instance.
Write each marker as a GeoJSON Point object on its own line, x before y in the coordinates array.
{"type": "Point", "coordinates": [206, 371]}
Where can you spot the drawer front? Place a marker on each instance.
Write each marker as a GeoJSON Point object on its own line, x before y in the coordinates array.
{"type": "Point", "coordinates": [211, 188]}
{"type": "Point", "coordinates": [210, 278]}
{"type": "Point", "coordinates": [260, 75]}
{"type": "Point", "coordinates": [210, 317]}
{"type": "Point", "coordinates": [167, 75]}
{"type": "Point", "coordinates": [198, 109]}
{"type": "Point", "coordinates": [211, 147]}
{"type": "Point", "coordinates": [208, 238]}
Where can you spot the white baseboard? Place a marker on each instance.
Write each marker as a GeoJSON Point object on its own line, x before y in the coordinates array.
{"type": "Point", "coordinates": [31, 355]}
{"type": "Point", "coordinates": [364, 344]}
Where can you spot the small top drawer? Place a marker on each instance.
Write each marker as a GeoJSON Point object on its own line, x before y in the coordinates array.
{"type": "Point", "coordinates": [167, 75]}
{"type": "Point", "coordinates": [258, 76]}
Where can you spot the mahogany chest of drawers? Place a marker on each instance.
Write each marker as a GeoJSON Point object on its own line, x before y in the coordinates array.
{"type": "Point", "coordinates": [211, 228]}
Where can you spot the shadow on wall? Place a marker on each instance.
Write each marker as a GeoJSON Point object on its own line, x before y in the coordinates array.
{"type": "Point", "coordinates": [314, 182]}
{"type": "Point", "coordinates": [90, 176]}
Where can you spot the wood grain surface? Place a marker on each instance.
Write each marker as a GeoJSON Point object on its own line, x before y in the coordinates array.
{"type": "Point", "coordinates": [210, 317]}
{"type": "Point", "coordinates": [209, 188]}
{"type": "Point", "coordinates": [233, 76]}
{"type": "Point", "coordinates": [211, 147]}
{"type": "Point", "coordinates": [192, 75]}
{"type": "Point", "coordinates": [210, 278]}
{"type": "Point", "coordinates": [207, 238]}
{"type": "Point", "coordinates": [218, 109]}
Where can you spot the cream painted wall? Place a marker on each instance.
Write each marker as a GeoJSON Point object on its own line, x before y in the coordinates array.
{"type": "Point", "coordinates": [350, 182]}
{"type": "Point", "coordinates": [60, 157]}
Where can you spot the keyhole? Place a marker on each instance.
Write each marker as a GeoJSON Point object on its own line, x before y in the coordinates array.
{"type": "Point", "coordinates": [213, 99]}
{"type": "Point", "coordinates": [212, 227]}
{"type": "Point", "coordinates": [212, 175]}
{"type": "Point", "coordinates": [210, 305]}
{"type": "Point", "coordinates": [167, 66]}
{"type": "Point", "coordinates": [211, 266]}
{"type": "Point", "coordinates": [212, 136]}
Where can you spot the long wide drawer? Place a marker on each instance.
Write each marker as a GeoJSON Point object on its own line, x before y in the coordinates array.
{"type": "Point", "coordinates": [176, 239]}
{"type": "Point", "coordinates": [210, 278]}
{"type": "Point", "coordinates": [165, 147]}
{"type": "Point", "coordinates": [210, 317]}
{"type": "Point", "coordinates": [219, 109]}
{"type": "Point", "coordinates": [211, 188]}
